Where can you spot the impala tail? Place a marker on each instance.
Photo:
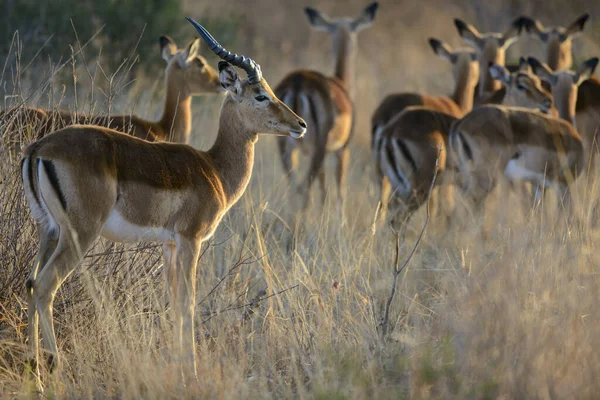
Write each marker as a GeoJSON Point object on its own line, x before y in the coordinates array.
{"type": "Point", "coordinates": [398, 163]}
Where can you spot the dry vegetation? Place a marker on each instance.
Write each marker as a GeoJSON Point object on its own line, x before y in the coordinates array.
{"type": "Point", "coordinates": [513, 316]}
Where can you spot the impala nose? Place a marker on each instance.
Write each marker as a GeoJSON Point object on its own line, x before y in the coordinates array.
{"type": "Point", "coordinates": [302, 124]}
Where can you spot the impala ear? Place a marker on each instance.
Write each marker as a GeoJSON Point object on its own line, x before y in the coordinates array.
{"type": "Point", "coordinates": [524, 23]}
{"type": "Point", "coordinates": [499, 73]}
{"type": "Point", "coordinates": [577, 26]}
{"type": "Point", "coordinates": [441, 49]}
{"type": "Point", "coordinates": [542, 70]}
{"type": "Point", "coordinates": [190, 53]}
{"type": "Point", "coordinates": [318, 20]}
{"type": "Point", "coordinates": [168, 48]}
{"type": "Point", "coordinates": [366, 17]}
{"type": "Point", "coordinates": [586, 70]}
{"type": "Point", "coordinates": [524, 65]}
{"type": "Point", "coordinates": [469, 33]}
{"type": "Point", "coordinates": [511, 35]}
{"type": "Point", "coordinates": [228, 76]}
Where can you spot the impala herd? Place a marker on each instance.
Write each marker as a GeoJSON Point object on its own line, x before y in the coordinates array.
{"type": "Point", "coordinates": [129, 180]}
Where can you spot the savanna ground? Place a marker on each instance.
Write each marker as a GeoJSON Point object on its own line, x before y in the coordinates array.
{"type": "Point", "coordinates": [512, 316]}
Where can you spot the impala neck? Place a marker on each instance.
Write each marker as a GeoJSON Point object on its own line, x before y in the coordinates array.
{"type": "Point", "coordinates": [176, 119]}
{"type": "Point", "coordinates": [233, 152]}
{"type": "Point", "coordinates": [565, 102]}
{"type": "Point", "coordinates": [344, 50]}
{"type": "Point", "coordinates": [487, 84]}
{"type": "Point", "coordinates": [559, 55]}
{"type": "Point", "coordinates": [464, 90]}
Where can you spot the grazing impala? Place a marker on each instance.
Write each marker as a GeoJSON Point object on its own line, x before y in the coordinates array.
{"type": "Point", "coordinates": [491, 48]}
{"type": "Point", "coordinates": [564, 85]}
{"type": "Point", "coordinates": [557, 40]}
{"type": "Point", "coordinates": [413, 141]}
{"type": "Point", "coordinates": [187, 74]}
{"type": "Point", "coordinates": [85, 182]}
{"type": "Point", "coordinates": [325, 103]}
{"type": "Point", "coordinates": [521, 144]}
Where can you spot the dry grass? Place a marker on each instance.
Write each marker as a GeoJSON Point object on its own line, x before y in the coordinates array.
{"type": "Point", "coordinates": [514, 316]}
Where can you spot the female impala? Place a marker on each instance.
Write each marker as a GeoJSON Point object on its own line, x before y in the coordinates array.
{"type": "Point", "coordinates": [325, 102]}
{"type": "Point", "coordinates": [557, 40]}
{"type": "Point", "coordinates": [491, 48]}
{"type": "Point", "coordinates": [522, 145]}
{"type": "Point", "coordinates": [558, 43]}
{"type": "Point", "coordinates": [85, 182]}
{"type": "Point", "coordinates": [187, 74]}
{"type": "Point", "coordinates": [566, 96]}
{"type": "Point", "coordinates": [413, 141]}
{"type": "Point", "coordinates": [466, 73]}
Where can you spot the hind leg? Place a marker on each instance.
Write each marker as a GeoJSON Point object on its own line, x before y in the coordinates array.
{"type": "Point", "coordinates": [316, 165]}
{"type": "Point", "coordinates": [321, 177]}
{"type": "Point", "coordinates": [64, 259]}
{"type": "Point", "coordinates": [342, 157]}
{"type": "Point", "coordinates": [288, 153]}
{"type": "Point", "coordinates": [48, 242]}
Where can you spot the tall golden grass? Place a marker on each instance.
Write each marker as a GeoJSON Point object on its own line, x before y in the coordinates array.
{"type": "Point", "coordinates": [511, 316]}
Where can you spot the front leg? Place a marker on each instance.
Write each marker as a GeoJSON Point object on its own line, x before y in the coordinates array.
{"type": "Point", "coordinates": [187, 250]}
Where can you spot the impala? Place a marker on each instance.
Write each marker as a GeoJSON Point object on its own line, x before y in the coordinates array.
{"type": "Point", "coordinates": [414, 140]}
{"type": "Point", "coordinates": [325, 103]}
{"type": "Point", "coordinates": [523, 88]}
{"type": "Point", "coordinates": [558, 41]}
{"type": "Point", "coordinates": [521, 144]}
{"type": "Point", "coordinates": [491, 48]}
{"type": "Point", "coordinates": [187, 74]}
{"type": "Point", "coordinates": [84, 182]}
{"type": "Point", "coordinates": [584, 117]}
{"type": "Point", "coordinates": [465, 71]}
{"type": "Point", "coordinates": [385, 124]}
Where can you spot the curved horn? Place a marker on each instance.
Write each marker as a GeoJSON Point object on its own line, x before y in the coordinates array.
{"type": "Point", "coordinates": [250, 66]}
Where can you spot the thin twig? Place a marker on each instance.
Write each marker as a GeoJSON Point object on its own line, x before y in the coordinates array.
{"type": "Point", "coordinates": [254, 302]}
{"type": "Point", "coordinates": [384, 326]}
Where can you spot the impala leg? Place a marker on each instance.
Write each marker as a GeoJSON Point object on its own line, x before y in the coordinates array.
{"type": "Point", "coordinates": [446, 203]}
{"type": "Point", "coordinates": [386, 192]}
{"type": "Point", "coordinates": [48, 242]}
{"type": "Point", "coordinates": [316, 164]}
{"type": "Point", "coordinates": [169, 253]}
{"type": "Point", "coordinates": [186, 261]}
{"type": "Point", "coordinates": [63, 261]}
{"type": "Point", "coordinates": [321, 177]}
{"type": "Point", "coordinates": [342, 160]}
{"type": "Point", "coordinates": [288, 153]}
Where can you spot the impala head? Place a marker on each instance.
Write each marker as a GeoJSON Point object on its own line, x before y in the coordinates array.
{"type": "Point", "coordinates": [464, 61]}
{"type": "Point", "coordinates": [523, 87]}
{"type": "Point", "coordinates": [343, 31]}
{"type": "Point", "coordinates": [564, 84]}
{"type": "Point", "coordinates": [252, 99]}
{"type": "Point", "coordinates": [344, 26]}
{"type": "Point", "coordinates": [557, 39]}
{"type": "Point", "coordinates": [189, 68]}
{"type": "Point", "coordinates": [491, 47]}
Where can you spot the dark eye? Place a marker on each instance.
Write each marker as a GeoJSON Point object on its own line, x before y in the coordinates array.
{"type": "Point", "coordinates": [261, 98]}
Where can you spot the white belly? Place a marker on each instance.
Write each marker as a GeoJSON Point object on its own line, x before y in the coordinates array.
{"type": "Point", "coordinates": [118, 229]}
{"type": "Point", "coordinates": [516, 172]}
